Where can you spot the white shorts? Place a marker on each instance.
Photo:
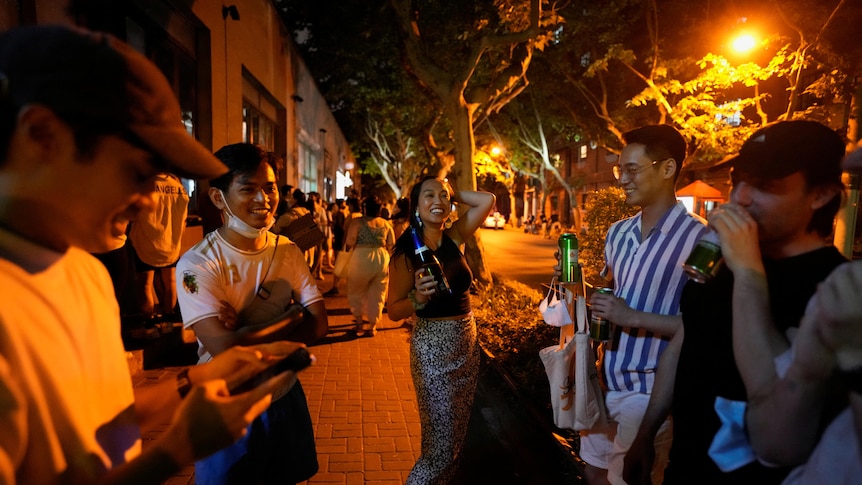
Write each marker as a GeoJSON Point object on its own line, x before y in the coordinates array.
{"type": "Point", "coordinates": [606, 447]}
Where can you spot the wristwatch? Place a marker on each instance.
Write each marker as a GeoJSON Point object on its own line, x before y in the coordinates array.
{"type": "Point", "coordinates": [852, 379]}
{"type": "Point", "coordinates": [184, 385]}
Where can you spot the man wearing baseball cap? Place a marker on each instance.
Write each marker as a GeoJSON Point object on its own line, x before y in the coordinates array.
{"type": "Point", "coordinates": [86, 124]}
{"type": "Point", "coordinates": [808, 412]}
{"type": "Point", "coordinates": [786, 189]}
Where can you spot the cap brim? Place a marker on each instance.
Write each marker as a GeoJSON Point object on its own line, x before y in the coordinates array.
{"type": "Point", "coordinates": [726, 162]}
{"type": "Point", "coordinates": [183, 154]}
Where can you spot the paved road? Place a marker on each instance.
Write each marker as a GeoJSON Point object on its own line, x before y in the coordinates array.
{"type": "Point", "coordinates": [527, 258]}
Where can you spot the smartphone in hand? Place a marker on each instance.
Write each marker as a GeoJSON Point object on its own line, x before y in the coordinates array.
{"type": "Point", "coordinates": [296, 361]}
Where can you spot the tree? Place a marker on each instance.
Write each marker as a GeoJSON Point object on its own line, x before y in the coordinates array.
{"type": "Point", "coordinates": [352, 49]}
{"type": "Point", "coordinates": [537, 142]}
{"type": "Point", "coordinates": [473, 56]}
{"type": "Point", "coordinates": [624, 79]}
{"type": "Point", "coordinates": [396, 165]}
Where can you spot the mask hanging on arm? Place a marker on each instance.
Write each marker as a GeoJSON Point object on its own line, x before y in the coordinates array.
{"type": "Point", "coordinates": [242, 228]}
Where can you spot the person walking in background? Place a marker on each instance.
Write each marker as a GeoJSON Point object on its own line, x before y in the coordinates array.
{"type": "Point", "coordinates": [336, 210]}
{"type": "Point", "coordinates": [284, 196]}
{"type": "Point", "coordinates": [401, 218]}
{"type": "Point", "coordinates": [243, 285]}
{"type": "Point", "coordinates": [444, 354]}
{"type": "Point", "coordinates": [156, 237]}
{"type": "Point", "coordinates": [88, 123]}
{"type": "Point", "coordinates": [328, 261]}
{"type": "Point", "coordinates": [371, 239]}
{"type": "Point", "coordinates": [314, 206]}
{"type": "Point", "coordinates": [353, 212]}
{"type": "Point", "coordinates": [296, 209]}
{"type": "Point", "coordinates": [786, 190]}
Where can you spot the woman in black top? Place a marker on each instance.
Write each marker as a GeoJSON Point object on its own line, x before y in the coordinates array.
{"type": "Point", "coordinates": [444, 355]}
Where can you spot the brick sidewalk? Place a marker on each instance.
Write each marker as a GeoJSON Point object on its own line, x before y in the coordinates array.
{"type": "Point", "coordinates": [361, 399]}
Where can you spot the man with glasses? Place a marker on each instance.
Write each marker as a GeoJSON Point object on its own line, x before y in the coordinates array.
{"type": "Point", "coordinates": [644, 256]}
{"type": "Point", "coordinates": [776, 240]}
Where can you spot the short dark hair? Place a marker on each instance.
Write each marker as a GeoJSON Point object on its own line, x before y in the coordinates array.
{"type": "Point", "coordinates": [660, 142]}
{"type": "Point", "coordinates": [371, 206]}
{"type": "Point", "coordinates": [353, 204]}
{"type": "Point", "coordinates": [403, 206]}
{"type": "Point", "coordinates": [299, 196]}
{"type": "Point", "coordinates": [241, 159]}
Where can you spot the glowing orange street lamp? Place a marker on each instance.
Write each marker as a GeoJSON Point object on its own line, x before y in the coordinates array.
{"type": "Point", "coordinates": [744, 43]}
{"type": "Point", "coordinates": [496, 151]}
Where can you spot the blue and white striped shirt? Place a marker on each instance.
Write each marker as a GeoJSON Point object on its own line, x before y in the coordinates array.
{"type": "Point", "coordinates": [649, 278]}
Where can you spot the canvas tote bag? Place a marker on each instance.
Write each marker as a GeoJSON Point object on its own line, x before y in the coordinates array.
{"type": "Point", "coordinates": [577, 398]}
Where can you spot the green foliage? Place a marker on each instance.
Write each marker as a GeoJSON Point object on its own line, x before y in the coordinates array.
{"type": "Point", "coordinates": [511, 329]}
{"type": "Point", "coordinates": [620, 64]}
{"type": "Point", "coordinates": [603, 208]}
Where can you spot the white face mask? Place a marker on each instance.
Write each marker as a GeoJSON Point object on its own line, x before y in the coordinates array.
{"type": "Point", "coordinates": [242, 228]}
{"type": "Point", "coordinates": [554, 311]}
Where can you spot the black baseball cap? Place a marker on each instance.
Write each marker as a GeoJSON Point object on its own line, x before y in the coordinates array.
{"type": "Point", "coordinates": [76, 72]}
{"type": "Point", "coordinates": [786, 147]}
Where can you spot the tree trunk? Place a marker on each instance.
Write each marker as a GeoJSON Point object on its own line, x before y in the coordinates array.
{"type": "Point", "coordinates": [461, 115]}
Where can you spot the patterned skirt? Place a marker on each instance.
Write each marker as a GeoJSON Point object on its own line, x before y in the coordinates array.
{"type": "Point", "coordinates": [444, 363]}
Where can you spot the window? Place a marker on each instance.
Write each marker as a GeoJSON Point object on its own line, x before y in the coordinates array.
{"type": "Point", "coordinates": [179, 66]}
{"type": "Point", "coordinates": [308, 173]}
{"type": "Point", "coordinates": [259, 114]}
{"type": "Point", "coordinates": [257, 128]}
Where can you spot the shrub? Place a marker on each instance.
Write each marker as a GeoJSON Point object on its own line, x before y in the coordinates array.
{"type": "Point", "coordinates": [603, 208]}
{"type": "Point", "coordinates": [511, 329]}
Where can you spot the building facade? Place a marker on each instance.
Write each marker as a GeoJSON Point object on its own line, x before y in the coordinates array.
{"type": "Point", "coordinates": [237, 74]}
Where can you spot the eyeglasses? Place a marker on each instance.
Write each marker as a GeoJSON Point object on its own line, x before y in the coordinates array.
{"type": "Point", "coordinates": [632, 169]}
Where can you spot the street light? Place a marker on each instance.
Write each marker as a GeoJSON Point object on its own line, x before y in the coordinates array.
{"type": "Point", "coordinates": [743, 43]}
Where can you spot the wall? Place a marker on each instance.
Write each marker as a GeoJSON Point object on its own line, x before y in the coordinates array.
{"type": "Point", "coordinates": [255, 46]}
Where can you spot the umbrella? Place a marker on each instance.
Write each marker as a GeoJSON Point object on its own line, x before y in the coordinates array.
{"type": "Point", "coordinates": [700, 190]}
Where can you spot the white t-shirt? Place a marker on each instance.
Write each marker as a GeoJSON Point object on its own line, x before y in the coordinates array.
{"type": "Point", "coordinates": [213, 271]}
{"type": "Point", "coordinates": [66, 398]}
{"type": "Point", "coordinates": [157, 234]}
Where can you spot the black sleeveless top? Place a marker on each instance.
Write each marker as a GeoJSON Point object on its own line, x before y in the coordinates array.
{"type": "Point", "coordinates": [460, 277]}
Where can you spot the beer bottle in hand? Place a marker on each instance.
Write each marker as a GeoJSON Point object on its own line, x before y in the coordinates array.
{"type": "Point", "coordinates": [431, 265]}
